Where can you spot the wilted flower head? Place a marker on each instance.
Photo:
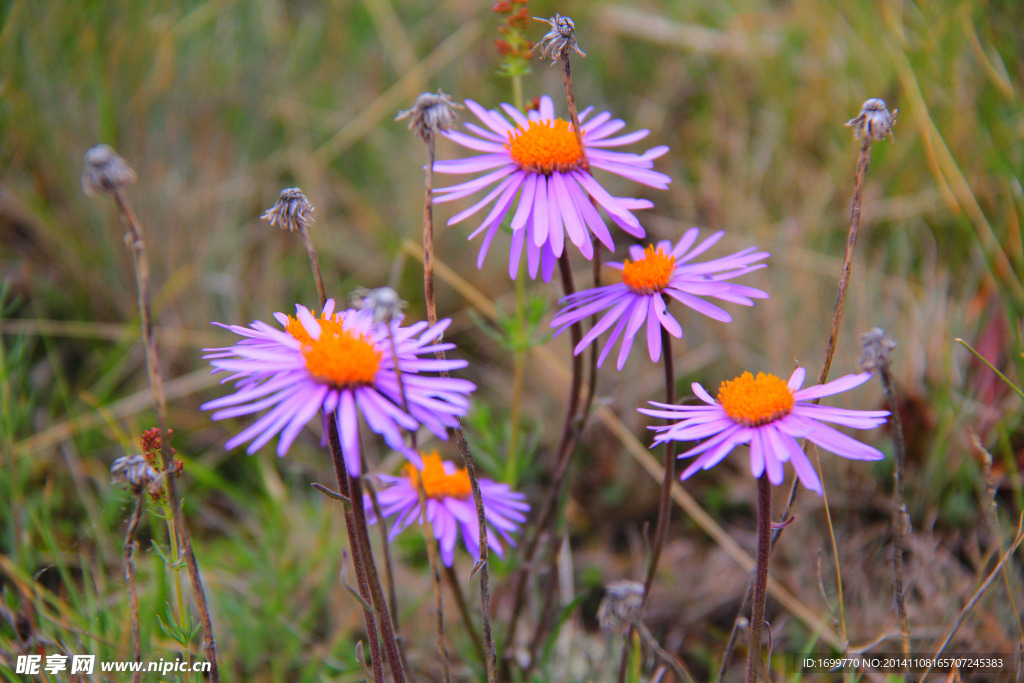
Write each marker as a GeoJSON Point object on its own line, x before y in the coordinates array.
{"type": "Point", "coordinates": [433, 113]}
{"type": "Point", "coordinates": [105, 171]}
{"type": "Point", "coordinates": [384, 302]}
{"type": "Point", "coordinates": [134, 470]}
{"type": "Point", "coordinates": [875, 347]}
{"type": "Point", "coordinates": [560, 40]}
{"type": "Point", "coordinates": [874, 121]}
{"type": "Point", "coordinates": [622, 605]}
{"type": "Point", "coordinates": [292, 211]}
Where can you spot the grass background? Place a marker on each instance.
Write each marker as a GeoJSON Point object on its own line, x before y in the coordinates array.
{"type": "Point", "coordinates": [218, 104]}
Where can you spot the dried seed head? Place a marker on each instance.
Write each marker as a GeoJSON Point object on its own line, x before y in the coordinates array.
{"type": "Point", "coordinates": [383, 301]}
{"type": "Point", "coordinates": [433, 113]}
{"type": "Point", "coordinates": [135, 471]}
{"type": "Point", "coordinates": [623, 604]}
{"type": "Point", "coordinates": [875, 347]}
{"type": "Point", "coordinates": [105, 171]}
{"type": "Point", "coordinates": [560, 40]}
{"type": "Point", "coordinates": [292, 211]}
{"type": "Point", "coordinates": [874, 121]}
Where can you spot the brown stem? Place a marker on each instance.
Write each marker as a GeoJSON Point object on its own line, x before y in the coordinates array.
{"type": "Point", "coordinates": [570, 98]}
{"type": "Point", "coordinates": [314, 262]}
{"type": "Point", "coordinates": [665, 502]}
{"type": "Point", "coordinates": [128, 560]}
{"type": "Point", "coordinates": [138, 248]}
{"type": "Point", "coordinates": [570, 435]}
{"type": "Point", "coordinates": [359, 538]}
{"type": "Point", "coordinates": [833, 340]}
{"type": "Point", "coordinates": [764, 529]}
{"type": "Point", "coordinates": [380, 605]}
{"type": "Point", "coordinates": [428, 234]}
{"type": "Point", "coordinates": [588, 402]}
{"type": "Point", "coordinates": [467, 620]}
{"type": "Point", "coordinates": [389, 574]}
{"type": "Point", "coordinates": [341, 474]}
{"type": "Point", "coordinates": [460, 435]}
{"type": "Point", "coordinates": [435, 572]}
{"type": "Point", "coordinates": [851, 242]}
{"type": "Point", "coordinates": [899, 509]}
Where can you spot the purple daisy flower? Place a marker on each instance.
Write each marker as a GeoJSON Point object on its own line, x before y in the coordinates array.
{"type": "Point", "coordinates": [342, 364]}
{"type": "Point", "coordinates": [651, 274]}
{"type": "Point", "coordinates": [450, 506]}
{"type": "Point", "coordinates": [770, 415]}
{"type": "Point", "coordinates": [537, 157]}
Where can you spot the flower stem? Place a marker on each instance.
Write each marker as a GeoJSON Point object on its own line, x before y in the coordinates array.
{"type": "Point", "coordinates": [570, 435]}
{"type": "Point", "coordinates": [900, 516]}
{"type": "Point", "coordinates": [588, 402]}
{"type": "Point", "coordinates": [518, 358]}
{"type": "Point", "coordinates": [830, 349]}
{"type": "Point", "coordinates": [435, 573]}
{"type": "Point", "coordinates": [665, 503]}
{"type": "Point", "coordinates": [389, 574]}
{"type": "Point", "coordinates": [128, 562]}
{"type": "Point", "coordinates": [370, 621]}
{"type": "Point", "coordinates": [467, 620]}
{"type": "Point", "coordinates": [314, 263]}
{"type": "Point", "coordinates": [851, 242]}
{"type": "Point", "coordinates": [460, 435]}
{"type": "Point", "coordinates": [380, 605]}
{"type": "Point", "coordinates": [570, 98]}
{"type": "Point", "coordinates": [764, 528]}
{"type": "Point", "coordinates": [138, 248]}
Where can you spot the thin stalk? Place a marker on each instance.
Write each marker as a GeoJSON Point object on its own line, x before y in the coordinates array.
{"type": "Point", "coordinates": [833, 339]}
{"type": "Point", "coordinates": [380, 605]}
{"type": "Point", "coordinates": [518, 354]}
{"type": "Point", "coordinates": [764, 529]}
{"type": "Point", "coordinates": [482, 565]}
{"type": "Point", "coordinates": [389, 574]}
{"type": "Point", "coordinates": [128, 561]}
{"type": "Point", "coordinates": [588, 402]}
{"type": "Point", "coordinates": [138, 248]}
{"type": "Point", "coordinates": [665, 502]}
{"type": "Point", "coordinates": [467, 620]}
{"type": "Point", "coordinates": [435, 572]}
{"type": "Point", "coordinates": [900, 521]}
{"type": "Point", "coordinates": [175, 567]}
{"type": "Point", "coordinates": [428, 233]}
{"type": "Point", "coordinates": [369, 619]}
{"type": "Point", "coordinates": [570, 98]}
{"type": "Point", "coordinates": [997, 532]}
{"type": "Point", "coordinates": [566, 445]}
{"type": "Point", "coordinates": [314, 262]}
{"type": "Point", "coordinates": [518, 361]}
{"type": "Point", "coordinates": [851, 242]}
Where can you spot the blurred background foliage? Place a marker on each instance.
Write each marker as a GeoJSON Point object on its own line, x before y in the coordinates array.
{"type": "Point", "coordinates": [218, 104]}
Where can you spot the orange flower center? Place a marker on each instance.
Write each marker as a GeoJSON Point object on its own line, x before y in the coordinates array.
{"type": "Point", "coordinates": [545, 147]}
{"type": "Point", "coordinates": [755, 401]}
{"type": "Point", "coordinates": [651, 274]}
{"type": "Point", "coordinates": [339, 357]}
{"type": "Point", "coordinates": [437, 483]}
